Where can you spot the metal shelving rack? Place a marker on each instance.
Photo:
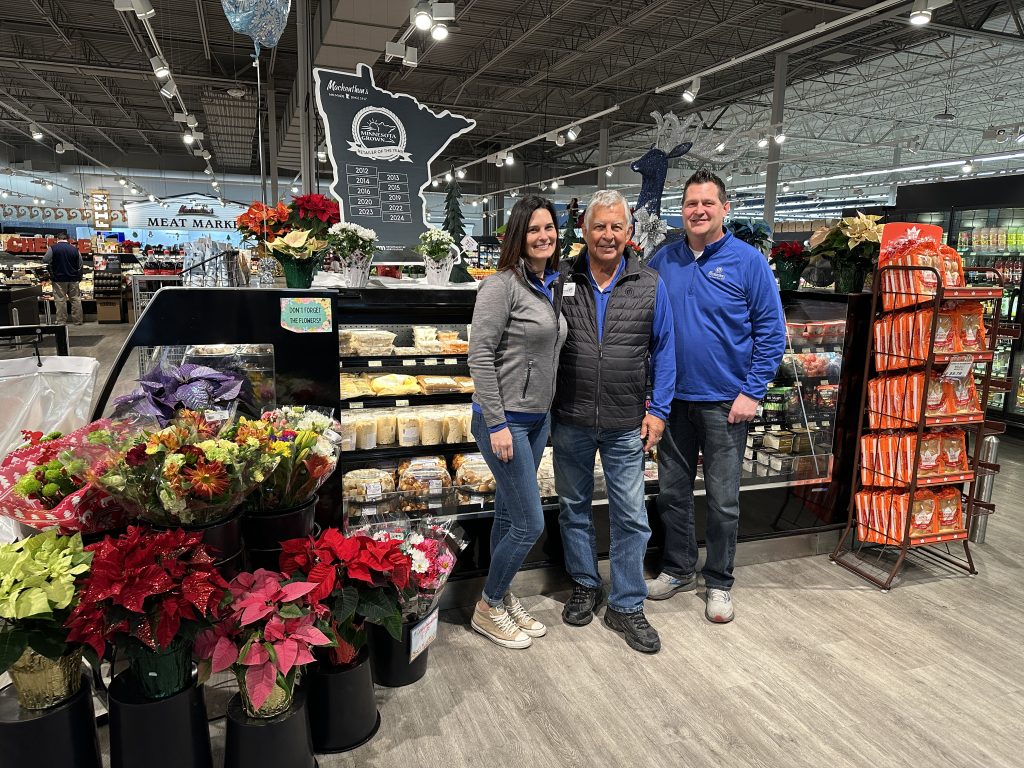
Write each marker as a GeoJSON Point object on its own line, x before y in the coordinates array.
{"type": "Point", "coordinates": [873, 561]}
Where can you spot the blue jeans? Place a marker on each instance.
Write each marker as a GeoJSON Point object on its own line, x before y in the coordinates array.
{"type": "Point", "coordinates": [518, 517]}
{"type": "Point", "coordinates": [622, 455]}
{"type": "Point", "coordinates": [705, 427]}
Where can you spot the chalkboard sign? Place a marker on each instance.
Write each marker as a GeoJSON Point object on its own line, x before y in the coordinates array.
{"type": "Point", "coordinates": [381, 145]}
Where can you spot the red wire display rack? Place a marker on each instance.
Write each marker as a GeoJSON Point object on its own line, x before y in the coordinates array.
{"type": "Point", "coordinates": [910, 467]}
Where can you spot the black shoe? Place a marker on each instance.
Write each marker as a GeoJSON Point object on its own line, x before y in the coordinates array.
{"type": "Point", "coordinates": [583, 601]}
{"type": "Point", "coordinates": [640, 635]}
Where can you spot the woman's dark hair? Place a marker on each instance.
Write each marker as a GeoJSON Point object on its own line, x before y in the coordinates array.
{"type": "Point", "coordinates": [513, 247]}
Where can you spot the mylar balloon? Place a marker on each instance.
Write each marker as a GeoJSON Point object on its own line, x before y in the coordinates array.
{"type": "Point", "coordinates": [262, 20]}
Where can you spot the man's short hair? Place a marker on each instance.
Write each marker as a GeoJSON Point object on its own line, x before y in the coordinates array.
{"type": "Point", "coordinates": [706, 176]}
{"type": "Point", "coordinates": [62, 235]}
{"type": "Point", "coordinates": [605, 198]}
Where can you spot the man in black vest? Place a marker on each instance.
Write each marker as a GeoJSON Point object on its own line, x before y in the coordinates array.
{"type": "Point", "coordinates": [65, 265]}
{"type": "Point", "coordinates": [620, 325]}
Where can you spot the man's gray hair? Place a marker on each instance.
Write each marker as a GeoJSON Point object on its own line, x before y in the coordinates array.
{"type": "Point", "coordinates": [605, 198]}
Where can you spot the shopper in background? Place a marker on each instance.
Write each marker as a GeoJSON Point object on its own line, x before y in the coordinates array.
{"type": "Point", "coordinates": [730, 337]}
{"type": "Point", "coordinates": [518, 332]}
{"type": "Point", "coordinates": [65, 265]}
{"type": "Point", "coordinates": [620, 324]}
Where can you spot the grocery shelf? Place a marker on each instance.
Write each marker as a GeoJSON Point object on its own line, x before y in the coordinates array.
{"type": "Point", "coordinates": [795, 349]}
{"type": "Point", "coordinates": [959, 418]}
{"type": "Point", "coordinates": [938, 538]}
{"type": "Point", "coordinates": [402, 401]}
{"type": "Point", "coordinates": [407, 451]}
{"type": "Point", "coordinates": [399, 361]}
{"type": "Point", "coordinates": [949, 357]}
{"type": "Point", "coordinates": [973, 294]}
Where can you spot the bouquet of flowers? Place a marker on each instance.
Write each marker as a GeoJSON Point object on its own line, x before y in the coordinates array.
{"type": "Point", "coordinates": [37, 593]}
{"type": "Point", "coordinates": [47, 481]}
{"type": "Point", "coordinates": [166, 389]}
{"type": "Point", "coordinates": [360, 578]}
{"type": "Point", "coordinates": [435, 244]}
{"type": "Point", "coordinates": [185, 473]}
{"type": "Point", "coordinates": [261, 222]}
{"type": "Point", "coordinates": [270, 627]}
{"type": "Point", "coordinates": [148, 593]}
{"type": "Point", "coordinates": [432, 547]}
{"type": "Point", "coordinates": [302, 443]}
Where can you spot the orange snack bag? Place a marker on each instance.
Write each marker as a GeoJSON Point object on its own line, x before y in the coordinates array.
{"type": "Point", "coordinates": [949, 511]}
{"type": "Point", "coordinates": [924, 516]}
{"type": "Point", "coordinates": [920, 333]}
{"type": "Point", "coordinates": [924, 253]}
{"type": "Point", "coordinates": [971, 327]}
{"type": "Point", "coordinates": [930, 463]}
{"type": "Point", "coordinates": [947, 330]}
{"type": "Point", "coordinates": [875, 389]}
{"type": "Point", "coordinates": [911, 405]}
{"type": "Point", "coordinates": [882, 330]}
{"type": "Point", "coordinates": [939, 394]}
{"type": "Point", "coordinates": [888, 456]}
{"type": "Point", "coordinates": [867, 459]}
{"type": "Point", "coordinates": [952, 267]}
{"type": "Point", "coordinates": [954, 451]}
{"type": "Point", "coordinates": [906, 452]}
{"type": "Point", "coordinates": [862, 502]}
{"type": "Point", "coordinates": [962, 395]}
{"type": "Point", "coordinates": [898, 506]}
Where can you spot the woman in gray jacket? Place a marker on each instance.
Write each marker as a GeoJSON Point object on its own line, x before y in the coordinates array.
{"type": "Point", "coordinates": [518, 332]}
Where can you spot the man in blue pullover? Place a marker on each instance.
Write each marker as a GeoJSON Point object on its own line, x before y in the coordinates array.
{"type": "Point", "coordinates": [620, 325]}
{"type": "Point", "coordinates": [730, 337]}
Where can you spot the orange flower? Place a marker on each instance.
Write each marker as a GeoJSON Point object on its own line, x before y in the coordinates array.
{"type": "Point", "coordinates": [207, 478]}
{"type": "Point", "coordinates": [264, 221]}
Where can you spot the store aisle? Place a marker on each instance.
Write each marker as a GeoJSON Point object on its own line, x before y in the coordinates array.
{"type": "Point", "coordinates": [818, 669]}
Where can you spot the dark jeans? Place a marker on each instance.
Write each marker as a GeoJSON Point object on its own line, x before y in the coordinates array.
{"type": "Point", "coordinates": [704, 427]}
{"type": "Point", "coordinates": [518, 516]}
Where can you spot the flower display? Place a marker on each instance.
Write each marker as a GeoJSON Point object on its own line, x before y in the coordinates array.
{"type": "Point", "coordinates": [185, 474]}
{"type": "Point", "coordinates": [432, 548]}
{"type": "Point", "coordinates": [346, 238]}
{"type": "Point", "coordinates": [262, 222]}
{"type": "Point", "coordinates": [166, 389]}
{"type": "Point", "coordinates": [315, 212]}
{"type": "Point", "coordinates": [146, 588]}
{"type": "Point", "coordinates": [435, 244]}
{"type": "Point", "coordinates": [298, 244]}
{"type": "Point", "coordinates": [37, 593]}
{"type": "Point", "coordinates": [854, 240]}
{"type": "Point", "coordinates": [788, 251]}
{"type": "Point", "coordinates": [360, 578]}
{"type": "Point", "coordinates": [270, 626]}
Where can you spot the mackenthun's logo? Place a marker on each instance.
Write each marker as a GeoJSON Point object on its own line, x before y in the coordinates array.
{"type": "Point", "coordinates": [717, 273]}
{"type": "Point", "coordinates": [195, 210]}
{"type": "Point", "coordinates": [378, 134]}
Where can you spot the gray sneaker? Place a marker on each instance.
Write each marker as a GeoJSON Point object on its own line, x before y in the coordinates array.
{"type": "Point", "coordinates": [664, 586]}
{"type": "Point", "coordinates": [719, 608]}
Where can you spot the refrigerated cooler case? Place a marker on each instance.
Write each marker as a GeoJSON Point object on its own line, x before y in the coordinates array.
{"type": "Point", "coordinates": [395, 367]}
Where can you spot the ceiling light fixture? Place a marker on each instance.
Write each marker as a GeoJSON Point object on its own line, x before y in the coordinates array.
{"type": "Point", "coordinates": [967, 167]}
{"type": "Point", "coordinates": [785, 187]}
{"type": "Point", "coordinates": [295, 189]}
{"type": "Point", "coordinates": [609, 172]}
{"type": "Point", "coordinates": [122, 181]}
{"type": "Point", "coordinates": [208, 171]}
{"type": "Point", "coordinates": [720, 148]}
{"type": "Point", "coordinates": [554, 184]}
{"type": "Point", "coordinates": [920, 14]}
{"type": "Point", "coordinates": [461, 173]}
{"type": "Point", "coordinates": [560, 140]}
{"type": "Point", "coordinates": [215, 184]}
{"type": "Point", "coordinates": [134, 190]}
{"type": "Point", "coordinates": [509, 159]}
{"type": "Point", "coordinates": [448, 176]}
{"type": "Point", "coordinates": [573, 132]}
{"type": "Point", "coordinates": [188, 138]}
{"type": "Point", "coordinates": [160, 68]}
{"type": "Point", "coordinates": [152, 198]}
{"type": "Point", "coordinates": [690, 94]}
{"type": "Point", "coordinates": [439, 31]}
{"type": "Point", "coordinates": [192, 121]}
{"type": "Point", "coordinates": [780, 137]}
{"type": "Point", "coordinates": [513, 192]}
{"type": "Point", "coordinates": [321, 155]}
{"type": "Point", "coordinates": [60, 148]}
{"type": "Point", "coordinates": [49, 185]}
{"type": "Point", "coordinates": [169, 89]}
{"type": "Point", "coordinates": [762, 142]}
{"type": "Point", "coordinates": [237, 92]}
{"type": "Point", "coordinates": [435, 183]}
{"type": "Point", "coordinates": [421, 17]}
{"type": "Point", "coordinates": [36, 131]}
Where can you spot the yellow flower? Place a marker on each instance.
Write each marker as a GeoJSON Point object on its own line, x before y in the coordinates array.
{"type": "Point", "coordinates": [295, 239]}
{"type": "Point", "coordinates": [861, 229]}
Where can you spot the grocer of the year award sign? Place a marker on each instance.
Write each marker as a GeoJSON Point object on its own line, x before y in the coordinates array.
{"type": "Point", "coordinates": [381, 145]}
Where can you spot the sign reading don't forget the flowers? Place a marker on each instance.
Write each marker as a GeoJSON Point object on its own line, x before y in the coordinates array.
{"type": "Point", "coordinates": [300, 315]}
{"type": "Point", "coordinates": [381, 146]}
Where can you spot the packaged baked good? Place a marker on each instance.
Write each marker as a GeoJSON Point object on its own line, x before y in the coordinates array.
{"type": "Point", "coordinates": [952, 267]}
{"type": "Point", "coordinates": [476, 476]}
{"type": "Point", "coordinates": [949, 511]}
{"type": "Point", "coordinates": [408, 426]}
{"type": "Point", "coordinates": [394, 384]}
{"type": "Point", "coordinates": [423, 335]}
{"type": "Point", "coordinates": [366, 431]}
{"type": "Point", "coordinates": [923, 514]}
{"type": "Point", "coordinates": [444, 336]}
{"type": "Point", "coordinates": [365, 341]}
{"type": "Point", "coordinates": [428, 461]}
{"type": "Point", "coordinates": [387, 427]}
{"type": "Point", "coordinates": [946, 330]}
{"type": "Point", "coordinates": [461, 458]}
{"type": "Point", "coordinates": [346, 430]}
{"type": "Point", "coordinates": [465, 383]}
{"type": "Point", "coordinates": [354, 386]}
{"type": "Point", "coordinates": [424, 479]}
{"type": "Point", "coordinates": [938, 402]}
{"type": "Point", "coordinates": [369, 484]}
{"type": "Point", "coordinates": [434, 385]}
{"type": "Point", "coordinates": [454, 347]}
{"type": "Point", "coordinates": [431, 427]}
{"type": "Point", "coordinates": [971, 327]}
{"type": "Point", "coordinates": [930, 462]}
{"type": "Point", "coordinates": [954, 451]}
{"type": "Point", "coordinates": [962, 394]}
{"type": "Point", "coordinates": [452, 423]}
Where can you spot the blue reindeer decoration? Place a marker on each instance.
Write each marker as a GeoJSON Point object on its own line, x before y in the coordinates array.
{"type": "Point", "coordinates": [653, 166]}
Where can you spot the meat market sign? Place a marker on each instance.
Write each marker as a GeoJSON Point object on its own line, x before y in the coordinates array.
{"type": "Point", "coordinates": [185, 212]}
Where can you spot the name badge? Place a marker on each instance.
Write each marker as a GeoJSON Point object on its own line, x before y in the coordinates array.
{"type": "Point", "coordinates": [568, 290]}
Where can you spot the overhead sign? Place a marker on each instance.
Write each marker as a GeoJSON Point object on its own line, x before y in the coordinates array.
{"type": "Point", "coordinates": [99, 201]}
{"type": "Point", "coordinates": [381, 145]}
{"type": "Point", "coordinates": [185, 212]}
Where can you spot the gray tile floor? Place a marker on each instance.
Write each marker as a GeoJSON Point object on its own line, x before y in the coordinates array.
{"type": "Point", "coordinates": [819, 669]}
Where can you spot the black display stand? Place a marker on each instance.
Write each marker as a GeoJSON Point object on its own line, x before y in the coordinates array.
{"type": "Point", "coordinates": [342, 707]}
{"type": "Point", "coordinates": [157, 733]}
{"type": "Point", "coordinates": [263, 533]}
{"type": "Point", "coordinates": [64, 735]}
{"type": "Point", "coordinates": [390, 657]}
{"type": "Point", "coordinates": [282, 742]}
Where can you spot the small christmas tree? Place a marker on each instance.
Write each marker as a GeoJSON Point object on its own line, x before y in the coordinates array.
{"type": "Point", "coordinates": [453, 212]}
{"type": "Point", "coordinates": [569, 237]}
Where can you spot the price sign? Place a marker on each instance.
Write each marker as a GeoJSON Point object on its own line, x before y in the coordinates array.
{"type": "Point", "coordinates": [469, 244]}
{"type": "Point", "coordinates": [959, 366]}
{"type": "Point", "coordinates": [422, 635]}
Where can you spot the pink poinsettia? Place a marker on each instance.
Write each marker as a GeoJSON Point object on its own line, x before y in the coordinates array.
{"type": "Point", "coordinates": [268, 633]}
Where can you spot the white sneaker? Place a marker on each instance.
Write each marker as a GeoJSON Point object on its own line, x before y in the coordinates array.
{"type": "Point", "coordinates": [719, 608]}
{"type": "Point", "coordinates": [522, 617]}
{"type": "Point", "coordinates": [499, 627]}
{"type": "Point", "coordinates": [664, 586]}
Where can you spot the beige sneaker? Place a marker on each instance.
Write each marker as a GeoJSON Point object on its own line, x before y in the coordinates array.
{"type": "Point", "coordinates": [499, 627]}
{"type": "Point", "coordinates": [522, 617]}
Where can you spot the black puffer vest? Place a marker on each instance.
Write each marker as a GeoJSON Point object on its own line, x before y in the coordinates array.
{"type": "Point", "coordinates": [604, 385]}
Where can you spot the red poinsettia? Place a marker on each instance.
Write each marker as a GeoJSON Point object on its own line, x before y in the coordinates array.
{"type": "Point", "coordinates": [356, 576]}
{"type": "Point", "coordinates": [147, 587]}
{"type": "Point", "coordinates": [788, 251]}
{"type": "Point", "coordinates": [318, 207]}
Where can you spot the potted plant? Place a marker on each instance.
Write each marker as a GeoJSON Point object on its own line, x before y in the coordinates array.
{"type": "Point", "coordinates": [362, 580]}
{"type": "Point", "coordinates": [37, 593]}
{"type": "Point", "coordinates": [756, 233]}
{"type": "Point", "coordinates": [299, 254]}
{"type": "Point", "coordinates": [167, 389]}
{"type": "Point", "coordinates": [852, 247]}
{"type": "Point", "coordinates": [790, 260]}
{"type": "Point", "coordinates": [148, 594]}
{"type": "Point", "coordinates": [438, 250]}
{"type": "Point", "coordinates": [354, 246]}
{"type": "Point", "coordinates": [282, 507]}
{"type": "Point", "coordinates": [270, 627]}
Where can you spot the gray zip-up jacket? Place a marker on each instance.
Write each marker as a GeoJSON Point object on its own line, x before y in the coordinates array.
{"type": "Point", "coordinates": [513, 349]}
